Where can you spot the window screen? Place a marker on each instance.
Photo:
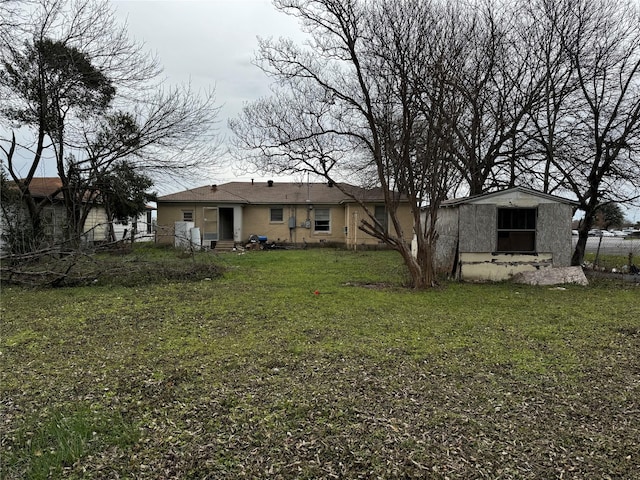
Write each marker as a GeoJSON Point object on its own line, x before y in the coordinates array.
{"type": "Point", "coordinates": [276, 215]}
{"type": "Point", "coordinates": [322, 220]}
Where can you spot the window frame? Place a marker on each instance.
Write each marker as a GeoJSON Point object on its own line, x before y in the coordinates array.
{"type": "Point", "coordinates": [385, 221]}
{"type": "Point", "coordinates": [325, 228]}
{"type": "Point", "coordinates": [149, 221]}
{"type": "Point", "coordinates": [271, 212]}
{"type": "Point", "coordinates": [516, 230]}
{"type": "Point", "coordinates": [187, 213]}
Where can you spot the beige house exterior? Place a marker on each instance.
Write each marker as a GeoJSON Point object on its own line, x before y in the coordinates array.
{"type": "Point", "coordinates": [284, 213]}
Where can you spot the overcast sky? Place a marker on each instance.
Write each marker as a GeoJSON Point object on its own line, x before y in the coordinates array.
{"type": "Point", "coordinates": [210, 43]}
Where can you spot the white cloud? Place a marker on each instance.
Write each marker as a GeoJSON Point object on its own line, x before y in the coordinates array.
{"type": "Point", "coordinates": [210, 43]}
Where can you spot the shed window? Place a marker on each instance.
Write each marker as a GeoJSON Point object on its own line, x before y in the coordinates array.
{"type": "Point", "coordinates": [276, 215]}
{"type": "Point", "coordinates": [517, 229]}
{"type": "Point", "coordinates": [322, 220]}
{"type": "Point", "coordinates": [187, 215]}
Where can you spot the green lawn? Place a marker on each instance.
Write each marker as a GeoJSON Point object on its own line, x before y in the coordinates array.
{"type": "Point", "coordinates": [255, 375]}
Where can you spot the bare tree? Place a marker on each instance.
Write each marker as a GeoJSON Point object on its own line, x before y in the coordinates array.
{"type": "Point", "coordinates": [547, 133]}
{"type": "Point", "coordinates": [90, 97]}
{"type": "Point", "coordinates": [365, 97]}
{"type": "Point", "coordinates": [589, 129]}
{"type": "Point", "coordinates": [498, 82]}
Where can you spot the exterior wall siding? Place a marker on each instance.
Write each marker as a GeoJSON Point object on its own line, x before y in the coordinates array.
{"type": "Point", "coordinates": [96, 227]}
{"type": "Point", "coordinates": [477, 228]}
{"type": "Point", "coordinates": [553, 232]}
{"type": "Point", "coordinates": [354, 214]}
{"type": "Point", "coordinates": [447, 242]}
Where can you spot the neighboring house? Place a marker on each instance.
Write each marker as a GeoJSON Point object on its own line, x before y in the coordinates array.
{"type": "Point", "coordinates": [496, 235]}
{"type": "Point", "coordinates": [43, 190]}
{"type": "Point", "coordinates": [294, 213]}
{"type": "Point", "coordinates": [96, 225]}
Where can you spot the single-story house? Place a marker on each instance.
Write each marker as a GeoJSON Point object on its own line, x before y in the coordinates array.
{"type": "Point", "coordinates": [221, 216]}
{"type": "Point", "coordinates": [495, 235]}
{"type": "Point", "coordinates": [47, 189]}
{"type": "Point", "coordinates": [44, 190]}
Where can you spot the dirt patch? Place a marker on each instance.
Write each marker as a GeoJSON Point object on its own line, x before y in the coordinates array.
{"type": "Point", "coordinates": [372, 286]}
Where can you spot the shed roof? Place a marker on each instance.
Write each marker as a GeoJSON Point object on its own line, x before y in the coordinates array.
{"type": "Point", "coordinates": [274, 193]}
{"type": "Point", "coordinates": [528, 191]}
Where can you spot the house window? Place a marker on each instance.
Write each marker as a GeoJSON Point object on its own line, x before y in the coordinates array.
{"type": "Point", "coordinates": [49, 222]}
{"type": "Point", "coordinates": [381, 216]}
{"type": "Point", "coordinates": [148, 221]}
{"type": "Point", "coordinates": [187, 215]}
{"type": "Point", "coordinates": [517, 229]}
{"type": "Point", "coordinates": [276, 215]}
{"type": "Point", "coordinates": [322, 220]}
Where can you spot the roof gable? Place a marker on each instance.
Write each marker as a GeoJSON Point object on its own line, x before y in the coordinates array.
{"type": "Point", "coordinates": [519, 193]}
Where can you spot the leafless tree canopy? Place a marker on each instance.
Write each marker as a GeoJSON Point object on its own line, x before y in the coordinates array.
{"type": "Point", "coordinates": [369, 96]}
{"type": "Point", "coordinates": [75, 87]}
{"type": "Point", "coordinates": [432, 98]}
{"type": "Point", "coordinates": [585, 137]}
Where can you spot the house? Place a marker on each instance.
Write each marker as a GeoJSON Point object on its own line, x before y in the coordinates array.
{"type": "Point", "coordinates": [14, 215]}
{"type": "Point", "coordinates": [496, 235]}
{"type": "Point", "coordinates": [294, 213]}
{"type": "Point", "coordinates": [47, 190]}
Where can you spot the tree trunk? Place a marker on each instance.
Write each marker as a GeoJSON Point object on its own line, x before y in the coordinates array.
{"type": "Point", "coordinates": [583, 234]}
{"type": "Point", "coordinates": [421, 268]}
{"type": "Point", "coordinates": [578, 253]}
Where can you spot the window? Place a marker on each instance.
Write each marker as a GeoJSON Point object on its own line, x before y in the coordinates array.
{"type": "Point", "coordinates": [517, 229]}
{"type": "Point", "coordinates": [187, 215]}
{"type": "Point", "coordinates": [276, 215]}
{"type": "Point", "coordinates": [381, 216]}
{"type": "Point", "coordinates": [322, 220]}
{"type": "Point", "coordinates": [49, 222]}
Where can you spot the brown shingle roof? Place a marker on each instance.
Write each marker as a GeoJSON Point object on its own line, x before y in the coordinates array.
{"type": "Point", "coordinates": [261, 192]}
{"type": "Point", "coordinates": [41, 187]}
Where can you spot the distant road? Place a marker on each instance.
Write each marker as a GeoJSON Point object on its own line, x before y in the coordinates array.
{"type": "Point", "coordinates": [612, 245]}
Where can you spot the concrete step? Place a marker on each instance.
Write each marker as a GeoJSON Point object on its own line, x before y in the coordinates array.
{"type": "Point", "coordinates": [224, 246]}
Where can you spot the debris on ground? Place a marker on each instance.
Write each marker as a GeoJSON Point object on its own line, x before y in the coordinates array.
{"type": "Point", "coordinates": [552, 276]}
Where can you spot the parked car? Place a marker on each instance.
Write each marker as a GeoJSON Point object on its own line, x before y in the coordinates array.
{"type": "Point", "coordinates": [606, 233]}
{"type": "Point", "coordinates": [574, 233]}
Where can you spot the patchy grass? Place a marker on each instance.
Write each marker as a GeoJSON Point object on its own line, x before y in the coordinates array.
{"type": "Point", "coordinates": [51, 441]}
{"type": "Point", "coordinates": [255, 375]}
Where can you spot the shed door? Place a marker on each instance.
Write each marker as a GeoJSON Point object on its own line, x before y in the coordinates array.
{"type": "Point", "coordinates": [210, 230]}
